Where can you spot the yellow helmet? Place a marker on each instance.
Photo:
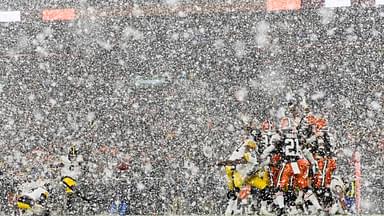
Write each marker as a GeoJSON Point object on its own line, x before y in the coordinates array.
{"type": "Point", "coordinates": [45, 194]}
{"type": "Point", "coordinates": [250, 143]}
{"type": "Point", "coordinates": [25, 202]}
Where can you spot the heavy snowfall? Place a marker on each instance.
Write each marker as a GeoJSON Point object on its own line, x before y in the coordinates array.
{"type": "Point", "coordinates": [129, 107]}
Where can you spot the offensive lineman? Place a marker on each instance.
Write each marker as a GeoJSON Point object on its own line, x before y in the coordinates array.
{"type": "Point", "coordinates": [293, 166]}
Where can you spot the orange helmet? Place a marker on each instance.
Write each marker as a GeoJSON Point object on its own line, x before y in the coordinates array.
{"type": "Point", "coordinates": [321, 124]}
{"type": "Point", "coordinates": [267, 125]}
{"type": "Point", "coordinates": [311, 119]}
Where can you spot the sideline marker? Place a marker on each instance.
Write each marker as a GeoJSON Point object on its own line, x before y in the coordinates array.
{"type": "Point", "coordinates": [59, 14]}
{"type": "Point", "coordinates": [278, 5]}
{"type": "Point", "coordinates": [337, 3]}
{"type": "Point", "coordinates": [357, 162]}
{"type": "Point", "coordinates": [10, 16]}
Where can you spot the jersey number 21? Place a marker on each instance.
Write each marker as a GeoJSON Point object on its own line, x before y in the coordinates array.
{"type": "Point", "coordinates": [291, 147]}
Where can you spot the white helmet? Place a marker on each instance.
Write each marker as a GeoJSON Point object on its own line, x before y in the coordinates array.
{"type": "Point", "coordinates": [337, 185]}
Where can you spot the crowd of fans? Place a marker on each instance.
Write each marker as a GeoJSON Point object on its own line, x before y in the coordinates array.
{"type": "Point", "coordinates": [162, 95]}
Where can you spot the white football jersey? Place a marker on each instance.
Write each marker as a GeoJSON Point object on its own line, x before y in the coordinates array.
{"type": "Point", "coordinates": [36, 193]}
{"type": "Point", "coordinates": [239, 153]}
{"type": "Point", "coordinates": [71, 168]}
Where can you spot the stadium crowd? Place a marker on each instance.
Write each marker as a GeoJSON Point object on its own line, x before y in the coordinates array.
{"type": "Point", "coordinates": [168, 96]}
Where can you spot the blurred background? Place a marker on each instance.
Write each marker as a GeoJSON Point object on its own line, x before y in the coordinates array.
{"type": "Point", "coordinates": [166, 86]}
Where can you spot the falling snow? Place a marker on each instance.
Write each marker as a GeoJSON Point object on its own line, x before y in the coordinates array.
{"type": "Point", "coordinates": [154, 93]}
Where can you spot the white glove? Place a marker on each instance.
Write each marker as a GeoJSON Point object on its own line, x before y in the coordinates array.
{"type": "Point", "coordinates": [315, 168]}
{"type": "Point", "coordinates": [260, 173]}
